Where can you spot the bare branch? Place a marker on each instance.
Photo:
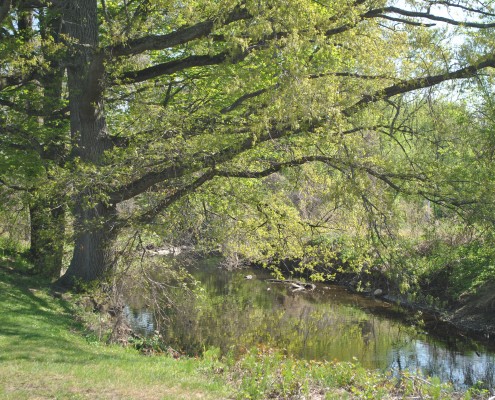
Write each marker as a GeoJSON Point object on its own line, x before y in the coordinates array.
{"type": "Point", "coordinates": [460, 6]}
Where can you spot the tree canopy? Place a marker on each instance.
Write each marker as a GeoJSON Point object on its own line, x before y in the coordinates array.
{"type": "Point", "coordinates": [118, 111]}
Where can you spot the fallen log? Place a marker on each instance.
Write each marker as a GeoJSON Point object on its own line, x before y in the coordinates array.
{"type": "Point", "coordinates": [296, 286]}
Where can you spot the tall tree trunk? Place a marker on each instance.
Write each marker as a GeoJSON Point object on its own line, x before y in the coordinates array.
{"type": "Point", "coordinates": [47, 213]}
{"type": "Point", "coordinates": [93, 257]}
{"type": "Point", "coordinates": [94, 221]}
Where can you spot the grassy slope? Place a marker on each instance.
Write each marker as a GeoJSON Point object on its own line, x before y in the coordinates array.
{"type": "Point", "coordinates": [41, 358]}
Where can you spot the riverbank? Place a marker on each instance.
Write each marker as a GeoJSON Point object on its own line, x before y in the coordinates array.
{"type": "Point", "coordinates": [470, 314]}
{"type": "Point", "coordinates": [473, 314]}
{"type": "Point", "coordinates": [45, 353]}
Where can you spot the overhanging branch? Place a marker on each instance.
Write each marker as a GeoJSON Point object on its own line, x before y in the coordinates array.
{"type": "Point", "coordinates": [461, 7]}
{"type": "Point", "coordinates": [183, 167]}
{"type": "Point", "coordinates": [200, 161]}
{"type": "Point", "coordinates": [171, 67]}
{"type": "Point", "coordinates": [381, 13]}
{"type": "Point", "coordinates": [181, 36]}
{"type": "Point", "coordinates": [179, 194]}
{"type": "Point", "coordinates": [420, 83]}
{"type": "Point", "coordinates": [333, 162]}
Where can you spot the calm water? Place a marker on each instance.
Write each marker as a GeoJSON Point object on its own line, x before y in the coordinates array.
{"type": "Point", "coordinates": [329, 323]}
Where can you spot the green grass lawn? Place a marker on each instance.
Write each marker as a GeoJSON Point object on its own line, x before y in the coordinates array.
{"type": "Point", "coordinates": [44, 355]}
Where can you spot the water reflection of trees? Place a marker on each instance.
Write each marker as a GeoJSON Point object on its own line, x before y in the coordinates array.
{"type": "Point", "coordinates": [239, 314]}
{"type": "Point", "coordinates": [234, 314]}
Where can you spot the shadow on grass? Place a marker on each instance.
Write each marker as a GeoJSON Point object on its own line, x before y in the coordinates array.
{"type": "Point", "coordinates": [34, 326]}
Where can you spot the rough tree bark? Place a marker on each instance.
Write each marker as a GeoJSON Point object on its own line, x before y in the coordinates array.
{"type": "Point", "coordinates": [4, 9]}
{"type": "Point", "coordinates": [92, 257]}
{"type": "Point", "coordinates": [47, 237]}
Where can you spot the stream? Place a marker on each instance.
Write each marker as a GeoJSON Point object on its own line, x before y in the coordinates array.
{"type": "Point", "coordinates": [329, 323]}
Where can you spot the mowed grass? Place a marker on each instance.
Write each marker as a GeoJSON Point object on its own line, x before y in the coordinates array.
{"type": "Point", "coordinates": [44, 355]}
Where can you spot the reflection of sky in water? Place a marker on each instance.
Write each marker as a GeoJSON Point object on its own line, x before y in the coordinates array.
{"type": "Point", "coordinates": [460, 368]}
{"type": "Point", "coordinates": [327, 324]}
{"type": "Point", "coordinates": [141, 321]}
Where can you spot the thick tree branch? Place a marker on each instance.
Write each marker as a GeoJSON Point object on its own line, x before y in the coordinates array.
{"type": "Point", "coordinates": [237, 103]}
{"type": "Point", "coordinates": [380, 12]}
{"type": "Point", "coordinates": [171, 67]}
{"type": "Point", "coordinates": [183, 167]}
{"type": "Point", "coordinates": [333, 162]}
{"type": "Point", "coordinates": [447, 202]}
{"type": "Point", "coordinates": [176, 196]}
{"type": "Point", "coordinates": [208, 176]}
{"type": "Point", "coordinates": [420, 83]}
{"type": "Point", "coordinates": [16, 80]}
{"type": "Point", "coordinates": [350, 75]}
{"type": "Point", "coordinates": [12, 186]}
{"type": "Point", "coordinates": [192, 61]}
{"type": "Point", "coordinates": [404, 21]}
{"type": "Point", "coordinates": [245, 97]}
{"type": "Point", "coordinates": [181, 36]}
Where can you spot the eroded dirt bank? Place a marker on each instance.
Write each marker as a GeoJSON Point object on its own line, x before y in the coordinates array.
{"type": "Point", "coordinates": [476, 313]}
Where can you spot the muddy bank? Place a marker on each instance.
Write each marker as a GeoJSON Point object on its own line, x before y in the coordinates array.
{"type": "Point", "coordinates": [476, 313]}
{"type": "Point", "coordinates": [472, 315]}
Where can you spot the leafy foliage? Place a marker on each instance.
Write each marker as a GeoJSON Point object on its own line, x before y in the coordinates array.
{"type": "Point", "coordinates": [302, 130]}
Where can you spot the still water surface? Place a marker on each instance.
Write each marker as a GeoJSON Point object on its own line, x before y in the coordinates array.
{"type": "Point", "coordinates": [329, 323]}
